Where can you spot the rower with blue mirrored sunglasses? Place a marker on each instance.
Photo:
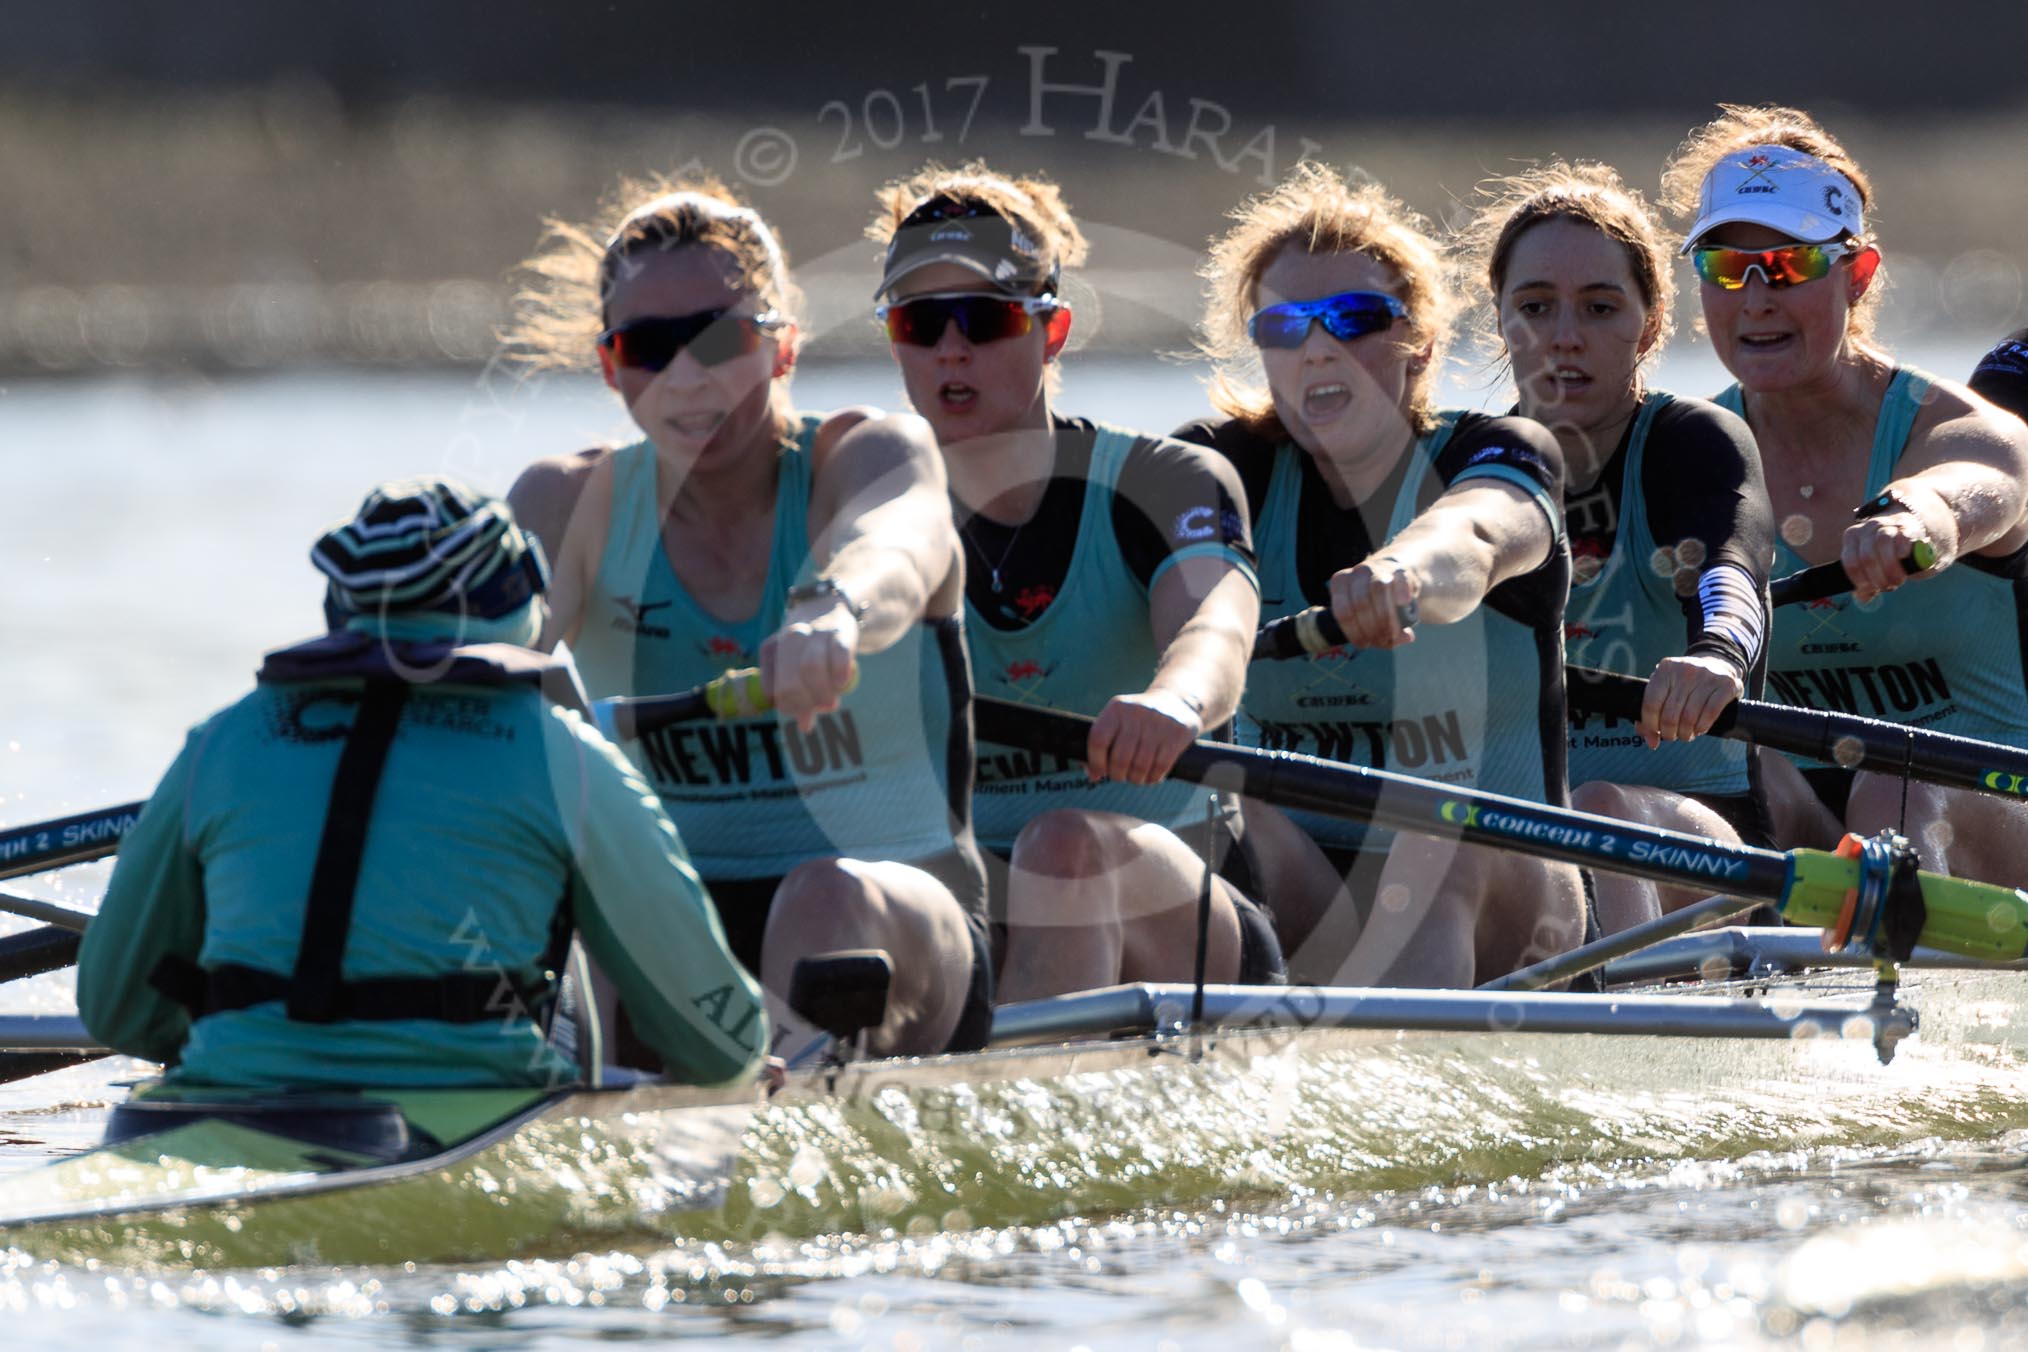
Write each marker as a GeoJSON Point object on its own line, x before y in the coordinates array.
{"type": "Point", "coordinates": [1345, 316]}
{"type": "Point", "coordinates": [1786, 265]}
{"type": "Point", "coordinates": [714, 337]}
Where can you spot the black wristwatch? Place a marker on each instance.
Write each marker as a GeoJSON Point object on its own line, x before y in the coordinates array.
{"type": "Point", "coordinates": [826, 589]}
{"type": "Point", "coordinates": [1884, 503]}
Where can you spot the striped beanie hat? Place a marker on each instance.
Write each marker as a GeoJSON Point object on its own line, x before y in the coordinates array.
{"type": "Point", "coordinates": [429, 544]}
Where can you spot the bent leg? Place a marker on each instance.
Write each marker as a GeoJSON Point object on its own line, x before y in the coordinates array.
{"type": "Point", "coordinates": [829, 904]}
{"type": "Point", "coordinates": [1955, 831]}
{"type": "Point", "coordinates": [1797, 818]}
{"type": "Point", "coordinates": [1625, 901]}
{"type": "Point", "coordinates": [1095, 898]}
{"type": "Point", "coordinates": [1453, 915]}
{"type": "Point", "coordinates": [1298, 885]}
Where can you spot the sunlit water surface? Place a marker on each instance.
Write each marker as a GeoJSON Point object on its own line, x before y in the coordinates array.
{"type": "Point", "coordinates": [152, 542]}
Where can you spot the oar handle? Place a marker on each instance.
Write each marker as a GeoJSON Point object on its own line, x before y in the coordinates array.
{"type": "Point", "coordinates": [1829, 579]}
{"type": "Point", "coordinates": [736, 694]}
{"type": "Point", "coordinates": [1842, 739]}
{"type": "Point", "coordinates": [1310, 631]}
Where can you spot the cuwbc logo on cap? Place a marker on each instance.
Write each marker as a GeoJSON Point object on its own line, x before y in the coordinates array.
{"type": "Point", "coordinates": [944, 232]}
{"type": "Point", "coordinates": [1834, 199]}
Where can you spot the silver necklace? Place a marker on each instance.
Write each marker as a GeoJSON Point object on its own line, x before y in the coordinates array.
{"type": "Point", "coordinates": [992, 567]}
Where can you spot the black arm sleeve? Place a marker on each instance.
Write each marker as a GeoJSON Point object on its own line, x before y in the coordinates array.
{"type": "Point", "coordinates": [1526, 449]}
{"type": "Point", "coordinates": [1252, 454]}
{"type": "Point", "coordinates": [1521, 446]}
{"type": "Point", "coordinates": [1707, 501]}
{"type": "Point", "coordinates": [1172, 496]}
{"type": "Point", "coordinates": [2002, 374]}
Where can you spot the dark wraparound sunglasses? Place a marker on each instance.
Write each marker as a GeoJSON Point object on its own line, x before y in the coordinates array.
{"type": "Point", "coordinates": [1345, 316]}
{"type": "Point", "coordinates": [920, 320]}
{"type": "Point", "coordinates": [713, 337]}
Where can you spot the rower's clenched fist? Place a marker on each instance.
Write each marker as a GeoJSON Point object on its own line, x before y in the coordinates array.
{"type": "Point", "coordinates": [1375, 603]}
{"type": "Point", "coordinates": [1685, 697]}
{"type": "Point", "coordinates": [1137, 738]}
{"type": "Point", "coordinates": [809, 663]}
{"type": "Point", "coordinates": [1872, 551]}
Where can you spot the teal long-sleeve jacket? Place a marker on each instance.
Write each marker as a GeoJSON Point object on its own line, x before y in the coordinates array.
{"type": "Point", "coordinates": [494, 808]}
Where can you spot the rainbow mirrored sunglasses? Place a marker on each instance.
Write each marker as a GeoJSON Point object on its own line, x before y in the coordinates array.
{"type": "Point", "coordinates": [1789, 265]}
{"type": "Point", "coordinates": [981, 317]}
{"type": "Point", "coordinates": [1345, 316]}
{"type": "Point", "coordinates": [713, 337]}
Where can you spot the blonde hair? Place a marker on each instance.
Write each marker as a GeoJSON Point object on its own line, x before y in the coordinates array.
{"type": "Point", "coordinates": [561, 312]}
{"type": "Point", "coordinates": [1033, 203]}
{"type": "Point", "coordinates": [1316, 210]}
{"type": "Point", "coordinates": [1588, 194]}
{"type": "Point", "coordinates": [1742, 127]}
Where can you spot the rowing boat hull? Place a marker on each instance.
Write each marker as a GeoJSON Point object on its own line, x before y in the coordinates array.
{"type": "Point", "coordinates": [1028, 1136]}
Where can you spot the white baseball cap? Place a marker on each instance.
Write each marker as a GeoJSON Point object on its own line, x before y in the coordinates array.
{"type": "Point", "coordinates": [1782, 189]}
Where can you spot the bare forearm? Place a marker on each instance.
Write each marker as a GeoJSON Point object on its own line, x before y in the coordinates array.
{"type": "Point", "coordinates": [1205, 659]}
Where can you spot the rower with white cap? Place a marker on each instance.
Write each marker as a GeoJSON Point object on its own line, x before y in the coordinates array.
{"type": "Point", "coordinates": [1865, 459]}
{"type": "Point", "coordinates": [363, 872]}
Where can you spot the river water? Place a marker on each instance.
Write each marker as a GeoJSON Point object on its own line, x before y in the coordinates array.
{"type": "Point", "coordinates": [152, 545]}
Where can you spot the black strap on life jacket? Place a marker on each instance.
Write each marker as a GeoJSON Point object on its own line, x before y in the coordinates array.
{"type": "Point", "coordinates": [316, 991]}
{"type": "Point", "coordinates": [334, 878]}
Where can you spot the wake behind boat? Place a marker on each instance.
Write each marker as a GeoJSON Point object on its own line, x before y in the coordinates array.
{"type": "Point", "coordinates": [1122, 1105]}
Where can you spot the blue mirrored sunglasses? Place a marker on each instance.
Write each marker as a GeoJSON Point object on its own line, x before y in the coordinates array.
{"type": "Point", "coordinates": [1345, 316]}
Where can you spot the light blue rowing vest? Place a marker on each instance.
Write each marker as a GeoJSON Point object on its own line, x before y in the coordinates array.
{"type": "Point", "coordinates": [1627, 618]}
{"type": "Point", "coordinates": [1094, 641]}
{"type": "Point", "coordinates": [1464, 704]}
{"type": "Point", "coordinates": [755, 797]}
{"type": "Point", "coordinates": [1943, 653]}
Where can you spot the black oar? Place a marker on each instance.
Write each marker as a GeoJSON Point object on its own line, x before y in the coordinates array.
{"type": "Point", "coordinates": [736, 694]}
{"type": "Point", "coordinates": [1316, 630]}
{"type": "Point", "coordinates": [1828, 579]}
{"type": "Point", "coordinates": [1309, 631]}
{"type": "Point", "coordinates": [1809, 887]}
{"type": "Point", "coordinates": [66, 840]}
{"type": "Point", "coordinates": [33, 952]}
{"type": "Point", "coordinates": [1842, 739]}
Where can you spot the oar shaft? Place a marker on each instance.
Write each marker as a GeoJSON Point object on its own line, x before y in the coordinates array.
{"type": "Point", "coordinates": [1810, 887]}
{"type": "Point", "coordinates": [33, 952]}
{"type": "Point", "coordinates": [67, 840]}
{"type": "Point", "coordinates": [49, 913]}
{"type": "Point", "coordinates": [1842, 739]}
{"type": "Point", "coordinates": [1408, 804]}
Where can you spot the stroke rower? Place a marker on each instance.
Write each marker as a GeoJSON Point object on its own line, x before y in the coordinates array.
{"type": "Point", "coordinates": [1372, 501]}
{"type": "Point", "coordinates": [1109, 572]}
{"type": "Point", "coordinates": [738, 531]}
{"type": "Point", "coordinates": [1671, 534]}
{"type": "Point", "coordinates": [1864, 458]}
{"type": "Point", "coordinates": [363, 872]}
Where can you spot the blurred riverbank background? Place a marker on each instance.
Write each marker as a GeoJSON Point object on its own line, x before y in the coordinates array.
{"type": "Point", "coordinates": [210, 186]}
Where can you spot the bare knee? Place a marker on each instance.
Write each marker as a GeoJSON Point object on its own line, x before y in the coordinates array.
{"type": "Point", "coordinates": [1603, 798]}
{"type": "Point", "coordinates": [1065, 843]}
{"type": "Point", "coordinates": [823, 904]}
